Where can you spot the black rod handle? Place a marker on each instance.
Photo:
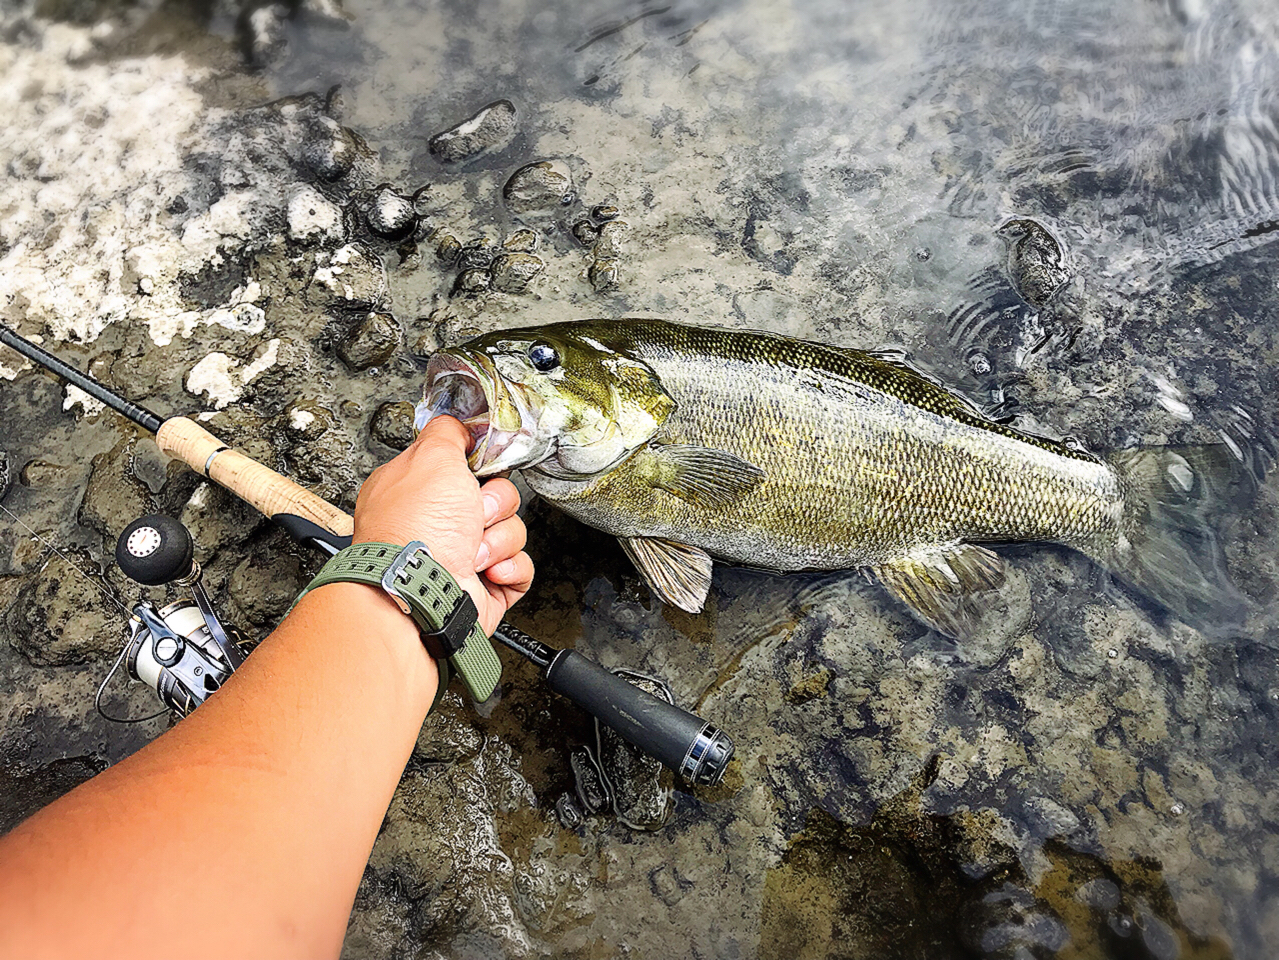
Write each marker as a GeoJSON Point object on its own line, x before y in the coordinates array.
{"type": "Point", "coordinates": [696, 750]}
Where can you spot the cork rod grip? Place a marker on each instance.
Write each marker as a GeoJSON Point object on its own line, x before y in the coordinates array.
{"type": "Point", "coordinates": [258, 485]}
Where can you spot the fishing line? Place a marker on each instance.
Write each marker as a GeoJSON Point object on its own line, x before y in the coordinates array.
{"type": "Point", "coordinates": [106, 591]}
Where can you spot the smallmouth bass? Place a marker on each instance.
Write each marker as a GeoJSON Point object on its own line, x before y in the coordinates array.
{"type": "Point", "coordinates": [691, 443]}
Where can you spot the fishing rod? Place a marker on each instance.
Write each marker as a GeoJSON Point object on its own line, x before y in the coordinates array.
{"type": "Point", "coordinates": [696, 749]}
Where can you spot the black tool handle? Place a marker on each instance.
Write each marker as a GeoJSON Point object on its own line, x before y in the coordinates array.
{"type": "Point", "coordinates": [686, 743]}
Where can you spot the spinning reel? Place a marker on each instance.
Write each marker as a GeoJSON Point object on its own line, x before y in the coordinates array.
{"type": "Point", "coordinates": [181, 650]}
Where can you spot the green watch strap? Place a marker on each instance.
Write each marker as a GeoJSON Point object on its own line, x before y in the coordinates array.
{"type": "Point", "coordinates": [424, 590]}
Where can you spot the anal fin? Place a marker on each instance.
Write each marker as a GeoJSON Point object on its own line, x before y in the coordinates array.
{"type": "Point", "coordinates": [938, 584]}
{"type": "Point", "coordinates": [679, 574]}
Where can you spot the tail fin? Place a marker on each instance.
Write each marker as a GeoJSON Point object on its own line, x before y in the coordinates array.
{"type": "Point", "coordinates": [1168, 548]}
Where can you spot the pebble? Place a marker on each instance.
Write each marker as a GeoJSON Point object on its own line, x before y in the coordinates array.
{"type": "Point", "coordinates": [6, 474]}
{"type": "Point", "coordinates": [354, 278]}
{"type": "Point", "coordinates": [611, 241]}
{"type": "Point", "coordinates": [313, 218]}
{"type": "Point", "coordinates": [264, 32]}
{"type": "Point", "coordinates": [604, 211]}
{"type": "Point", "coordinates": [585, 232]}
{"type": "Point", "coordinates": [307, 420]}
{"type": "Point", "coordinates": [513, 272]}
{"type": "Point", "coordinates": [591, 789]}
{"type": "Point", "coordinates": [372, 341]}
{"type": "Point", "coordinates": [603, 274]}
{"type": "Point", "coordinates": [492, 128]}
{"type": "Point", "coordinates": [477, 255]}
{"type": "Point", "coordinates": [330, 149]}
{"type": "Point", "coordinates": [522, 241]}
{"type": "Point", "coordinates": [472, 281]}
{"type": "Point", "coordinates": [539, 186]}
{"type": "Point", "coordinates": [1036, 262]}
{"type": "Point", "coordinates": [447, 247]}
{"type": "Point", "coordinates": [389, 214]}
{"type": "Point", "coordinates": [392, 424]}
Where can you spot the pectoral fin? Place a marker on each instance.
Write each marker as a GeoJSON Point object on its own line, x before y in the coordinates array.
{"type": "Point", "coordinates": [700, 475]}
{"type": "Point", "coordinates": [938, 584]}
{"type": "Point", "coordinates": [676, 572]}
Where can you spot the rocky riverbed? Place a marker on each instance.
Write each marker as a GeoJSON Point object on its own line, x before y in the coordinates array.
{"type": "Point", "coordinates": [268, 215]}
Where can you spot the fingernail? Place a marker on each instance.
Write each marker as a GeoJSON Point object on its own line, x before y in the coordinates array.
{"type": "Point", "coordinates": [482, 556]}
{"type": "Point", "coordinates": [491, 506]}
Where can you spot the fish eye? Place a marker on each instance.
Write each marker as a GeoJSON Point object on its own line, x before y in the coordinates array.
{"type": "Point", "coordinates": [544, 357]}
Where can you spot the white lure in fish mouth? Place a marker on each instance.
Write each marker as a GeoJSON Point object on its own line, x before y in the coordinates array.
{"type": "Point", "coordinates": [498, 415]}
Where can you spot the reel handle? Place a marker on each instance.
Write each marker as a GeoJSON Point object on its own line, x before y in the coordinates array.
{"type": "Point", "coordinates": [155, 550]}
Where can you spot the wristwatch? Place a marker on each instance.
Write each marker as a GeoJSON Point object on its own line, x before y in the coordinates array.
{"type": "Point", "coordinates": [444, 613]}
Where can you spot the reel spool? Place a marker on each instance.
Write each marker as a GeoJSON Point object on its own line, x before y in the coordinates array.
{"type": "Point", "coordinates": [181, 650]}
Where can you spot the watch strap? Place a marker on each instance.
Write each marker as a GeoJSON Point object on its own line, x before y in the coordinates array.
{"type": "Point", "coordinates": [444, 612]}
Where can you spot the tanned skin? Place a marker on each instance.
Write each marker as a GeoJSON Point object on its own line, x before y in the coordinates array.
{"type": "Point", "coordinates": [244, 830]}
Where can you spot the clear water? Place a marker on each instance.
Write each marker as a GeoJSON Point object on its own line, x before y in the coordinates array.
{"type": "Point", "coordinates": [1092, 779]}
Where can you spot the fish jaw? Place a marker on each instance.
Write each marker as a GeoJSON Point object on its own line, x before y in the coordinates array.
{"type": "Point", "coordinates": [501, 418]}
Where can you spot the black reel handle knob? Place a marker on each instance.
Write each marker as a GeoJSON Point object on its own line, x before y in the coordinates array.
{"type": "Point", "coordinates": [154, 550]}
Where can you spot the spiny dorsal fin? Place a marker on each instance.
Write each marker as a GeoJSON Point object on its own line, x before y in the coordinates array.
{"type": "Point", "coordinates": [679, 574]}
{"type": "Point", "coordinates": [700, 475]}
{"type": "Point", "coordinates": [937, 584]}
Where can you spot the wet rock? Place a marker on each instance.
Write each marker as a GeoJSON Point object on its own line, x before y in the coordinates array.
{"type": "Point", "coordinates": [477, 255]}
{"type": "Point", "coordinates": [449, 735]}
{"type": "Point", "coordinates": [313, 219]}
{"type": "Point", "coordinates": [513, 272]}
{"type": "Point", "coordinates": [640, 787]}
{"type": "Point", "coordinates": [264, 584]}
{"type": "Point", "coordinates": [217, 519]}
{"type": "Point", "coordinates": [585, 232]}
{"type": "Point", "coordinates": [61, 616]}
{"type": "Point", "coordinates": [489, 129]}
{"type": "Point", "coordinates": [115, 496]}
{"type": "Point", "coordinates": [393, 424]}
{"type": "Point", "coordinates": [306, 420]}
{"type": "Point", "coordinates": [472, 281]}
{"type": "Point", "coordinates": [604, 211]}
{"type": "Point", "coordinates": [331, 151]}
{"type": "Point", "coordinates": [1036, 262]}
{"type": "Point", "coordinates": [611, 242]}
{"type": "Point", "coordinates": [522, 241]}
{"type": "Point", "coordinates": [811, 686]}
{"type": "Point", "coordinates": [567, 812]}
{"type": "Point", "coordinates": [447, 247]}
{"type": "Point", "coordinates": [603, 274]}
{"type": "Point", "coordinates": [42, 473]}
{"type": "Point", "coordinates": [541, 186]}
{"type": "Point", "coordinates": [353, 278]}
{"type": "Point", "coordinates": [389, 214]}
{"type": "Point", "coordinates": [6, 474]}
{"type": "Point", "coordinates": [371, 342]}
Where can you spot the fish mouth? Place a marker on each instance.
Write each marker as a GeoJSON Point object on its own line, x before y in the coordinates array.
{"type": "Point", "coordinates": [499, 419]}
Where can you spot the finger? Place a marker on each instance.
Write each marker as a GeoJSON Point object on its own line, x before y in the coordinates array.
{"type": "Point", "coordinates": [445, 432]}
{"type": "Point", "coordinates": [501, 541]}
{"type": "Point", "coordinates": [501, 500]}
{"type": "Point", "coordinates": [513, 574]}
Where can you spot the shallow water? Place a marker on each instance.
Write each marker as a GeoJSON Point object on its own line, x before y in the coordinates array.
{"type": "Point", "coordinates": [1092, 778]}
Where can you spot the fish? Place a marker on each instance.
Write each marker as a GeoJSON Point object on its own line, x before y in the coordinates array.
{"type": "Point", "coordinates": [692, 444]}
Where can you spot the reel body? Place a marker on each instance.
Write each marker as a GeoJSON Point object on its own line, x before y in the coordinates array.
{"type": "Point", "coordinates": [172, 651]}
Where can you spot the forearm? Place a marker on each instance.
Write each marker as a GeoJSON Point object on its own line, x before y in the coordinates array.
{"type": "Point", "coordinates": [245, 830]}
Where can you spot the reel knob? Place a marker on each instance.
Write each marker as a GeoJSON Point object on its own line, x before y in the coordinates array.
{"type": "Point", "coordinates": [154, 550]}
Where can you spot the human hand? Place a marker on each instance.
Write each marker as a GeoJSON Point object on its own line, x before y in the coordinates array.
{"type": "Point", "coordinates": [428, 493]}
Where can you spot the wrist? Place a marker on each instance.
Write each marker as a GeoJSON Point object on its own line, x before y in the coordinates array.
{"type": "Point", "coordinates": [376, 628]}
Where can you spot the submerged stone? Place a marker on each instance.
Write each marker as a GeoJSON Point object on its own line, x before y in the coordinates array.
{"type": "Point", "coordinates": [393, 424]}
{"type": "Point", "coordinates": [513, 272]}
{"type": "Point", "coordinates": [389, 214]}
{"type": "Point", "coordinates": [539, 186]}
{"type": "Point", "coordinates": [371, 343]}
{"type": "Point", "coordinates": [490, 128]}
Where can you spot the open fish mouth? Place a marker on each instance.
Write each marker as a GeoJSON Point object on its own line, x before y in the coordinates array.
{"type": "Point", "coordinates": [497, 418]}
